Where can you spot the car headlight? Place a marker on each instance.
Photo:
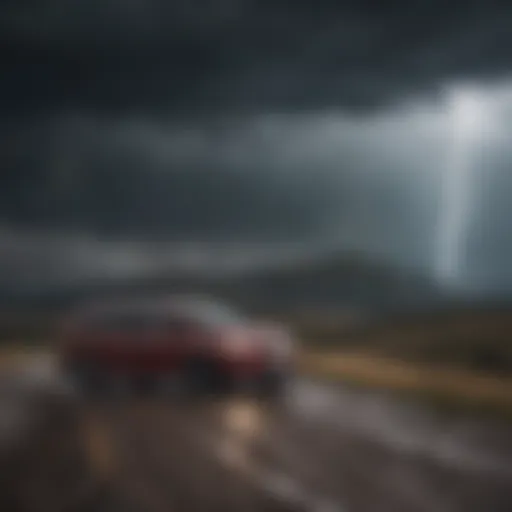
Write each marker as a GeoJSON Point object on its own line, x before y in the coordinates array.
{"type": "Point", "coordinates": [236, 344]}
{"type": "Point", "coordinates": [282, 348]}
{"type": "Point", "coordinates": [281, 344]}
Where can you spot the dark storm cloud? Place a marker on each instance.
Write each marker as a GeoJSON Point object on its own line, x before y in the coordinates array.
{"type": "Point", "coordinates": [135, 178]}
{"type": "Point", "coordinates": [152, 119]}
{"type": "Point", "coordinates": [194, 56]}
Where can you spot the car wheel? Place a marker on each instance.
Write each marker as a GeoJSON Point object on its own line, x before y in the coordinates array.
{"type": "Point", "coordinates": [273, 385]}
{"type": "Point", "coordinates": [200, 376]}
{"type": "Point", "coordinates": [278, 382]}
{"type": "Point", "coordinates": [169, 384]}
{"type": "Point", "coordinates": [117, 385]}
{"type": "Point", "coordinates": [85, 378]}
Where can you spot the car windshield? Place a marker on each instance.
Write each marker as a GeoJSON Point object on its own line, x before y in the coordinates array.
{"type": "Point", "coordinates": [123, 321]}
{"type": "Point", "coordinates": [212, 314]}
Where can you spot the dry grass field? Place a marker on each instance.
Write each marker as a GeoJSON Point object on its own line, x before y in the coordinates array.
{"type": "Point", "coordinates": [458, 360]}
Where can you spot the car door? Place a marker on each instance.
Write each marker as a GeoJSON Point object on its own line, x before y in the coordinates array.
{"type": "Point", "coordinates": [172, 342]}
{"type": "Point", "coordinates": [123, 342]}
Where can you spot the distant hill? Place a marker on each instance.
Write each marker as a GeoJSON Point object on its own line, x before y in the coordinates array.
{"type": "Point", "coordinates": [332, 281]}
{"type": "Point", "coordinates": [343, 281]}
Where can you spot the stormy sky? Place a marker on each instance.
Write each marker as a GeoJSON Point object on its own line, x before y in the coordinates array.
{"type": "Point", "coordinates": [131, 129]}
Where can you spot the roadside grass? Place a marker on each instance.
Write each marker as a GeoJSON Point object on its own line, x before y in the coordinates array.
{"type": "Point", "coordinates": [447, 389]}
{"type": "Point", "coordinates": [456, 360]}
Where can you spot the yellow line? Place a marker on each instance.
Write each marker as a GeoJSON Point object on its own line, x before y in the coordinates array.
{"type": "Point", "coordinates": [402, 375]}
{"type": "Point", "coordinates": [99, 446]}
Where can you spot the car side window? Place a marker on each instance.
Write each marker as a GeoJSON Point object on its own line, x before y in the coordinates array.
{"type": "Point", "coordinates": [123, 324]}
{"type": "Point", "coordinates": [178, 326]}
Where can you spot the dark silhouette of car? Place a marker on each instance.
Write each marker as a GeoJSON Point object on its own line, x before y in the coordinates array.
{"type": "Point", "coordinates": [174, 343]}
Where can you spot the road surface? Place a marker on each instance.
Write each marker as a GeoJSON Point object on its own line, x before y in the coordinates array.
{"type": "Point", "coordinates": [323, 449]}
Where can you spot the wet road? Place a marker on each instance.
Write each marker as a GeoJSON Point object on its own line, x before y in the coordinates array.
{"type": "Point", "coordinates": [323, 449]}
{"type": "Point", "coordinates": [320, 450]}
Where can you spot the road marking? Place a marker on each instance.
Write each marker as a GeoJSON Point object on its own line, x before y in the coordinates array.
{"type": "Point", "coordinates": [384, 423]}
{"type": "Point", "coordinates": [99, 447]}
{"type": "Point", "coordinates": [232, 452]}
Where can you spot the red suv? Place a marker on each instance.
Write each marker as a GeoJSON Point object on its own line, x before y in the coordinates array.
{"type": "Point", "coordinates": [174, 343]}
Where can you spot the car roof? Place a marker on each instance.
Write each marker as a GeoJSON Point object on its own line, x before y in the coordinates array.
{"type": "Point", "coordinates": [174, 304]}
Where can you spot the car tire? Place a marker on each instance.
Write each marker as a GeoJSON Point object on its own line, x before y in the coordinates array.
{"type": "Point", "coordinates": [274, 385]}
{"type": "Point", "coordinates": [86, 379]}
{"type": "Point", "coordinates": [201, 376]}
{"type": "Point", "coordinates": [118, 385]}
{"type": "Point", "coordinates": [169, 384]}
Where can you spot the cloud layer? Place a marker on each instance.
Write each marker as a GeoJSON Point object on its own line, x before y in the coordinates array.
{"type": "Point", "coordinates": [247, 121]}
{"type": "Point", "coordinates": [194, 57]}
